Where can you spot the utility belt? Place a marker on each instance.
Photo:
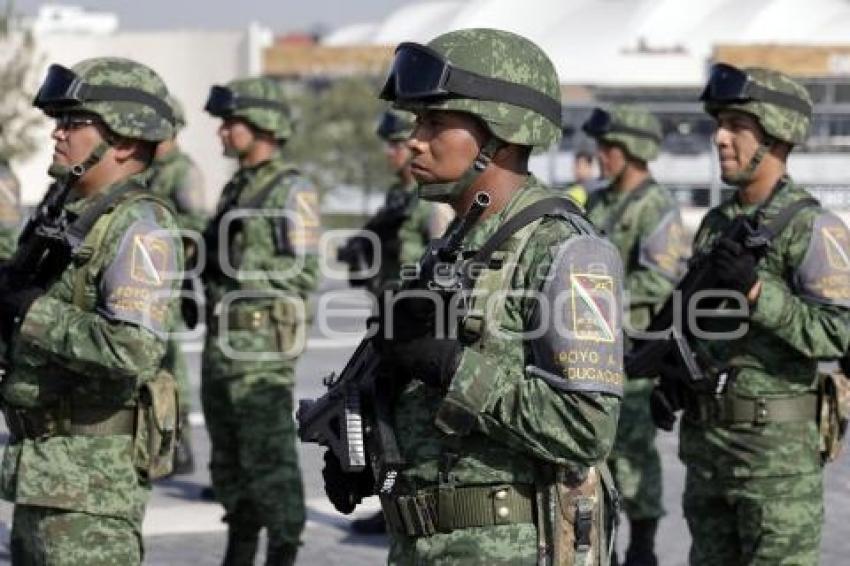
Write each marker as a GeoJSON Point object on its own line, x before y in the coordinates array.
{"type": "Point", "coordinates": [729, 408]}
{"type": "Point", "coordinates": [242, 320]}
{"type": "Point", "coordinates": [42, 423]}
{"type": "Point", "coordinates": [445, 509]}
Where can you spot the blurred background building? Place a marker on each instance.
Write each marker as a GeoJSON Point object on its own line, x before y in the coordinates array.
{"type": "Point", "coordinates": [653, 52]}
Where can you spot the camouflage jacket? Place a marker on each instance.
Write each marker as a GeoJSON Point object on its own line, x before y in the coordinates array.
{"type": "Point", "coordinates": [10, 211]}
{"type": "Point", "coordinates": [268, 284]}
{"type": "Point", "coordinates": [800, 317]}
{"type": "Point", "coordinates": [175, 178]}
{"type": "Point", "coordinates": [649, 235]}
{"type": "Point", "coordinates": [499, 420]}
{"type": "Point", "coordinates": [91, 340]}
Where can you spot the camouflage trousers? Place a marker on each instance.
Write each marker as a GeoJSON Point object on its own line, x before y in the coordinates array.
{"type": "Point", "coordinates": [503, 545]}
{"type": "Point", "coordinates": [770, 521]}
{"type": "Point", "coordinates": [254, 462]}
{"type": "Point", "coordinates": [634, 461]}
{"type": "Point", "coordinates": [43, 536]}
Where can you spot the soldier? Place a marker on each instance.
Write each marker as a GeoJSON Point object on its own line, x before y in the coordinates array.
{"type": "Point", "coordinates": [492, 427]}
{"type": "Point", "coordinates": [753, 490]}
{"type": "Point", "coordinates": [10, 209]}
{"type": "Point", "coordinates": [90, 417]}
{"type": "Point", "coordinates": [175, 178]}
{"type": "Point", "coordinates": [642, 219]}
{"type": "Point", "coordinates": [409, 224]}
{"type": "Point", "coordinates": [256, 285]}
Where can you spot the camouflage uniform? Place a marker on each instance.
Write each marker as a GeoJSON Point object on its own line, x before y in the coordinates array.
{"type": "Point", "coordinates": [256, 331]}
{"type": "Point", "coordinates": [754, 492]}
{"type": "Point", "coordinates": [176, 179]}
{"type": "Point", "coordinates": [85, 351]}
{"type": "Point", "coordinates": [505, 424]}
{"type": "Point", "coordinates": [645, 225]}
{"type": "Point", "coordinates": [10, 210]}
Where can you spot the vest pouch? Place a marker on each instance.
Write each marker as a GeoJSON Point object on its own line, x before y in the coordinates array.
{"type": "Point", "coordinates": [288, 321]}
{"type": "Point", "coordinates": [578, 518]}
{"type": "Point", "coordinates": [833, 413]}
{"type": "Point", "coordinates": [157, 423]}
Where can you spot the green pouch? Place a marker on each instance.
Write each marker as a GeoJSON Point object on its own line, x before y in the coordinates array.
{"type": "Point", "coordinates": [157, 422]}
{"type": "Point", "coordinates": [289, 324]}
{"type": "Point", "coordinates": [833, 413]}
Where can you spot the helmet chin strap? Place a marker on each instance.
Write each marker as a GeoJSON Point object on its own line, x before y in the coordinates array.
{"type": "Point", "coordinates": [74, 173]}
{"type": "Point", "coordinates": [746, 175]}
{"type": "Point", "coordinates": [449, 192]}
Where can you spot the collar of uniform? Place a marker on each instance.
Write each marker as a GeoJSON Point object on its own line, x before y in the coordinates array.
{"type": "Point", "coordinates": [76, 205]}
{"type": "Point", "coordinates": [256, 176]}
{"type": "Point", "coordinates": [169, 157]}
{"type": "Point", "coordinates": [531, 191]}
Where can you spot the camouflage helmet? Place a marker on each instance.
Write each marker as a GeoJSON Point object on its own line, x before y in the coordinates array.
{"type": "Point", "coordinates": [395, 125]}
{"type": "Point", "coordinates": [502, 78]}
{"type": "Point", "coordinates": [179, 113]}
{"type": "Point", "coordinates": [259, 101]}
{"type": "Point", "coordinates": [781, 105]}
{"type": "Point", "coordinates": [130, 98]}
{"type": "Point", "coordinates": [633, 128]}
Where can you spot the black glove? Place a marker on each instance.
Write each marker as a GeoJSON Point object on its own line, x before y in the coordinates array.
{"type": "Point", "coordinates": [346, 489]}
{"type": "Point", "coordinates": [13, 308]}
{"type": "Point", "coordinates": [413, 316]}
{"type": "Point", "coordinates": [432, 361]}
{"type": "Point", "coordinates": [736, 266]}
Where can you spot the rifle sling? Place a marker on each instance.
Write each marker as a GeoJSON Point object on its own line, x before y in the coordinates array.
{"type": "Point", "coordinates": [79, 228]}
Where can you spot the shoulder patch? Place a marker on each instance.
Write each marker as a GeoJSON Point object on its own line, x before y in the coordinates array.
{"type": "Point", "coordinates": [824, 274]}
{"type": "Point", "coordinates": [663, 250]}
{"type": "Point", "coordinates": [579, 343]}
{"type": "Point", "coordinates": [137, 285]}
{"type": "Point", "coordinates": [302, 206]}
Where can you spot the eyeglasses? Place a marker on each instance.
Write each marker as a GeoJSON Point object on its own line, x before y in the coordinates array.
{"type": "Point", "coordinates": [73, 121]}
{"type": "Point", "coordinates": [420, 73]}
{"type": "Point", "coordinates": [728, 85]}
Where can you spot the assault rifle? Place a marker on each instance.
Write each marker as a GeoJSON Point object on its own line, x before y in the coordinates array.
{"type": "Point", "coordinates": [353, 418]}
{"type": "Point", "coordinates": [648, 356]}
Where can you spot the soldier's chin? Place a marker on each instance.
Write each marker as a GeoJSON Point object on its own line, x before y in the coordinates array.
{"type": "Point", "coordinates": [733, 178]}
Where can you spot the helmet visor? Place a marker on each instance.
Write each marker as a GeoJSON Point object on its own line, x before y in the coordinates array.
{"type": "Point", "coordinates": [730, 85]}
{"type": "Point", "coordinates": [420, 73]}
{"type": "Point", "coordinates": [598, 124]}
{"type": "Point", "coordinates": [391, 125]}
{"type": "Point", "coordinates": [61, 87]}
{"type": "Point", "coordinates": [221, 101]}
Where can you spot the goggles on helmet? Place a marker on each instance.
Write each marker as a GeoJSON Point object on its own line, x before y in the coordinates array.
{"type": "Point", "coordinates": [222, 102]}
{"type": "Point", "coordinates": [63, 89]}
{"type": "Point", "coordinates": [391, 125]}
{"type": "Point", "coordinates": [730, 85]}
{"type": "Point", "coordinates": [418, 72]}
{"type": "Point", "coordinates": [601, 123]}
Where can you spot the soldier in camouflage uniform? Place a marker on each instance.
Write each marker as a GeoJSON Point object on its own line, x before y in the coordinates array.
{"type": "Point", "coordinates": [175, 178]}
{"type": "Point", "coordinates": [642, 219]}
{"type": "Point", "coordinates": [10, 209]}
{"type": "Point", "coordinates": [256, 284]}
{"type": "Point", "coordinates": [82, 396]}
{"type": "Point", "coordinates": [490, 425]}
{"type": "Point", "coordinates": [754, 491]}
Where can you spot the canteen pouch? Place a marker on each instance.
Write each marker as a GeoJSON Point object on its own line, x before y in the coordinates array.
{"type": "Point", "coordinates": [157, 423]}
{"type": "Point", "coordinates": [289, 321]}
{"type": "Point", "coordinates": [833, 413]}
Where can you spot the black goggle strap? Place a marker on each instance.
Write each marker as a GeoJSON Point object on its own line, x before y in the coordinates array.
{"type": "Point", "coordinates": [755, 92]}
{"type": "Point", "coordinates": [617, 128]}
{"type": "Point", "coordinates": [98, 93]}
{"type": "Point", "coordinates": [235, 102]}
{"type": "Point", "coordinates": [600, 123]}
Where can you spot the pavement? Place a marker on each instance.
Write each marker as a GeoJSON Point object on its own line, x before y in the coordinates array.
{"type": "Point", "coordinates": [180, 529]}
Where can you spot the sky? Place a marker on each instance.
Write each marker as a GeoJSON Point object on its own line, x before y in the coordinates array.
{"type": "Point", "coordinates": [279, 15]}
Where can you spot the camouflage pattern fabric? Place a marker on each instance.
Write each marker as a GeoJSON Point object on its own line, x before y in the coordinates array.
{"type": "Point", "coordinates": [777, 357]}
{"type": "Point", "coordinates": [10, 211]}
{"type": "Point", "coordinates": [635, 118]}
{"type": "Point", "coordinates": [635, 461]}
{"type": "Point", "coordinates": [176, 179]}
{"type": "Point", "coordinates": [246, 378]}
{"type": "Point", "coordinates": [782, 123]}
{"type": "Point", "coordinates": [279, 122]}
{"type": "Point", "coordinates": [66, 538]}
{"type": "Point", "coordinates": [509, 57]}
{"type": "Point", "coordinates": [503, 425]}
{"type": "Point", "coordinates": [70, 351]}
{"type": "Point", "coordinates": [125, 118]}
